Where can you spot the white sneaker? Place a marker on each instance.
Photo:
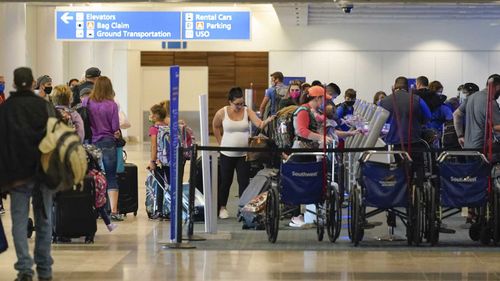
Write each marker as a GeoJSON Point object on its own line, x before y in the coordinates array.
{"type": "Point", "coordinates": [223, 214]}
{"type": "Point", "coordinates": [111, 227]}
{"type": "Point", "coordinates": [292, 224]}
{"type": "Point", "coordinates": [298, 220]}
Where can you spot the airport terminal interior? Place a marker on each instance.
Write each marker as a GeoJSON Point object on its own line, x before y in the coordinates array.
{"type": "Point", "coordinates": [363, 46]}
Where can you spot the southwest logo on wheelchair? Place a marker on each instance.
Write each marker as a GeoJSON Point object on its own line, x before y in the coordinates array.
{"type": "Point", "coordinates": [463, 180]}
{"type": "Point", "coordinates": [305, 174]}
{"type": "Point", "coordinates": [389, 181]}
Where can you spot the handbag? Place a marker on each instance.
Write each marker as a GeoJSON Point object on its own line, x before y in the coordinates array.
{"type": "Point", "coordinates": [259, 141]}
{"type": "Point", "coordinates": [121, 156]}
{"type": "Point", "coordinates": [3, 240]}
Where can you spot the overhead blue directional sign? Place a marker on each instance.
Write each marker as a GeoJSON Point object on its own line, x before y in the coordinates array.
{"type": "Point", "coordinates": [118, 25]}
{"type": "Point", "coordinates": [216, 25]}
{"type": "Point", "coordinates": [152, 25]}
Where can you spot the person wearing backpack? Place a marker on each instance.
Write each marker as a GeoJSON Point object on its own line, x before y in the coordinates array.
{"type": "Point", "coordinates": [231, 129]}
{"type": "Point", "coordinates": [61, 97]}
{"type": "Point", "coordinates": [23, 121]}
{"type": "Point", "coordinates": [84, 114]}
{"type": "Point", "coordinates": [159, 164]}
{"type": "Point", "coordinates": [305, 121]}
{"type": "Point", "coordinates": [273, 96]}
{"type": "Point", "coordinates": [105, 125]}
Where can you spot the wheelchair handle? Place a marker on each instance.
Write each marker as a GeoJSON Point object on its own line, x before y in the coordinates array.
{"type": "Point", "coordinates": [304, 153]}
{"type": "Point", "coordinates": [442, 157]}
{"type": "Point", "coordinates": [368, 154]}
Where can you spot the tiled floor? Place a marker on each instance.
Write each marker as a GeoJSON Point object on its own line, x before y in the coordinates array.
{"type": "Point", "coordinates": [135, 252]}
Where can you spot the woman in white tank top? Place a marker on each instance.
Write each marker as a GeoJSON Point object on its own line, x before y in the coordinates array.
{"type": "Point", "coordinates": [231, 129]}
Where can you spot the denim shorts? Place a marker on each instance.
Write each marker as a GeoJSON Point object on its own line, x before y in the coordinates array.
{"type": "Point", "coordinates": [108, 147]}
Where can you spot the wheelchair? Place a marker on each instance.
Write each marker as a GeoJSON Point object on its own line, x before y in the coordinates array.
{"type": "Point", "coordinates": [303, 183]}
{"type": "Point", "coordinates": [383, 182]}
{"type": "Point", "coordinates": [465, 181]}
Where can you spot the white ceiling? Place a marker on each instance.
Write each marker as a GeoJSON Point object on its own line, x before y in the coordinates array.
{"type": "Point", "coordinates": [363, 12]}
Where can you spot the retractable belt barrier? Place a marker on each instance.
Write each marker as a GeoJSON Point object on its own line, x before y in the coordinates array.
{"type": "Point", "coordinates": [277, 152]}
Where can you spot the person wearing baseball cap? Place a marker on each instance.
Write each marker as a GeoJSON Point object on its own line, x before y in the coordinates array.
{"type": "Point", "coordinates": [23, 121]}
{"type": "Point", "coordinates": [91, 76]}
{"type": "Point", "coordinates": [44, 86]}
{"type": "Point", "coordinates": [305, 124]}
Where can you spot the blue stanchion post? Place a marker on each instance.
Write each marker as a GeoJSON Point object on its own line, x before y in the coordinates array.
{"type": "Point", "coordinates": [173, 149]}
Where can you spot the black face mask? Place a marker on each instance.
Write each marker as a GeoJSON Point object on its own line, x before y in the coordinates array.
{"type": "Point", "coordinates": [47, 90]}
{"type": "Point", "coordinates": [350, 103]}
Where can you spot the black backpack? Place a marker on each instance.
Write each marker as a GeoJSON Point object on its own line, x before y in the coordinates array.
{"type": "Point", "coordinates": [85, 114]}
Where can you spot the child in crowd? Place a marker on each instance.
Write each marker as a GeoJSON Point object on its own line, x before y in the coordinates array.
{"type": "Point", "coordinates": [95, 171]}
{"type": "Point", "coordinates": [100, 198]}
{"type": "Point", "coordinates": [159, 164]}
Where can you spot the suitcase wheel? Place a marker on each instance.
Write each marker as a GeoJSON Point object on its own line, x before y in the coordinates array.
{"type": "Point", "coordinates": [135, 214]}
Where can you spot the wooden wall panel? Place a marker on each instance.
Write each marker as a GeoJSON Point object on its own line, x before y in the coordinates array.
{"type": "Point", "coordinates": [190, 58]}
{"type": "Point", "coordinates": [252, 69]}
{"type": "Point", "coordinates": [225, 70]}
{"type": "Point", "coordinates": [157, 58]}
{"type": "Point", "coordinates": [252, 58]}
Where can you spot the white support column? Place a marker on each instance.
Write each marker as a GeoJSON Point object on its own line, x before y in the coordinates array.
{"type": "Point", "coordinates": [13, 34]}
{"type": "Point", "coordinates": [209, 173]}
{"type": "Point", "coordinates": [49, 52]}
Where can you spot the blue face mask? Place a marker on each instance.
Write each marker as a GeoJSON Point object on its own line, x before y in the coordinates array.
{"type": "Point", "coordinates": [2, 88]}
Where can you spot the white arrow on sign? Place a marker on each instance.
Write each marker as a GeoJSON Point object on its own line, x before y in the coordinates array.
{"type": "Point", "coordinates": [66, 17]}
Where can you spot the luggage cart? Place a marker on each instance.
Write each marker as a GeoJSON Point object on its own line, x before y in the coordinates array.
{"type": "Point", "coordinates": [385, 187]}
{"type": "Point", "coordinates": [303, 183]}
{"type": "Point", "coordinates": [464, 181]}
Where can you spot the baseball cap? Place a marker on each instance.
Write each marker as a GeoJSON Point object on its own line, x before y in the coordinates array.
{"type": "Point", "coordinates": [23, 77]}
{"type": "Point", "coordinates": [42, 80]}
{"type": "Point", "coordinates": [92, 72]}
{"type": "Point", "coordinates": [318, 91]}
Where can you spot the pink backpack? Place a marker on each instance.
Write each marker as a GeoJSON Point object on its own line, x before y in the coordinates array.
{"type": "Point", "coordinates": [100, 187]}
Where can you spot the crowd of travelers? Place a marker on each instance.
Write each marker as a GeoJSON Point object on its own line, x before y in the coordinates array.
{"type": "Point", "coordinates": [89, 107]}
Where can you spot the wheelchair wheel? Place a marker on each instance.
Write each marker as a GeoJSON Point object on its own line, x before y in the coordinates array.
{"type": "Point", "coordinates": [350, 215]}
{"type": "Point", "coordinates": [419, 216]}
{"type": "Point", "coordinates": [272, 215]}
{"type": "Point", "coordinates": [475, 231]}
{"type": "Point", "coordinates": [333, 215]}
{"type": "Point", "coordinates": [320, 221]}
{"type": "Point", "coordinates": [485, 235]}
{"type": "Point", "coordinates": [496, 217]}
{"type": "Point", "coordinates": [432, 219]}
{"type": "Point", "coordinates": [357, 231]}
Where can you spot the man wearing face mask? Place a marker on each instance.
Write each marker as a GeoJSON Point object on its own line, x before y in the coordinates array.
{"type": "Point", "coordinates": [44, 86]}
{"type": "Point", "coordinates": [333, 90]}
{"type": "Point", "coordinates": [459, 114]}
{"type": "Point", "coordinates": [475, 116]}
{"type": "Point", "coordinates": [346, 108]}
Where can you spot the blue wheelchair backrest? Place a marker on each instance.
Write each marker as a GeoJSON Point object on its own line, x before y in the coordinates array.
{"type": "Point", "coordinates": [302, 182]}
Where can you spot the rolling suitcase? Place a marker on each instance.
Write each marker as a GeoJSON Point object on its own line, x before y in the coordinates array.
{"type": "Point", "coordinates": [258, 184]}
{"type": "Point", "coordinates": [128, 201]}
{"type": "Point", "coordinates": [75, 214]}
